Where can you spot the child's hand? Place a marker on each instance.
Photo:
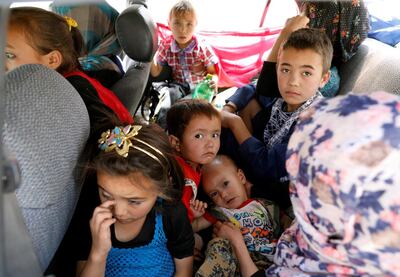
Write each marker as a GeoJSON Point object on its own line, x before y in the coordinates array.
{"type": "Point", "coordinates": [227, 118]}
{"type": "Point", "coordinates": [296, 22]}
{"type": "Point", "coordinates": [214, 83]}
{"type": "Point", "coordinates": [100, 228]}
{"type": "Point", "coordinates": [198, 207]}
{"type": "Point", "coordinates": [228, 231]}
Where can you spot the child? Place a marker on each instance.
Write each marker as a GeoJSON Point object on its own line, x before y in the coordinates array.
{"type": "Point", "coordinates": [303, 67]}
{"type": "Point", "coordinates": [194, 128]}
{"type": "Point", "coordinates": [189, 58]}
{"type": "Point", "coordinates": [38, 36]}
{"type": "Point", "coordinates": [256, 220]}
{"type": "Point", "coordinates": [140, 228]}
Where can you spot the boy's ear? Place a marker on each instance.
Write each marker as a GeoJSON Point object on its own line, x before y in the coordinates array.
{"type": "Point", "coordinates": [54, 59]}
{"type": "Point", "coordinates": [325, 79]}
{"type": "Point", "coordinates": [174, 141]}
{"type": "Point", "coordinates": [241, 176]}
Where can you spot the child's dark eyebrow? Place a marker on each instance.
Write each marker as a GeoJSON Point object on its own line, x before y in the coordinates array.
{"type": "Point", "coordinates": [308, 66]}
{"type": "Point", "coordinates": [131, 198]}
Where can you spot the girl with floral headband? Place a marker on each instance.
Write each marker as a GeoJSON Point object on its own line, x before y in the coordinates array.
{"type": "Point", "coordinates": [38, 36]}
{"type": "Point", "coordinates": [140, 227]}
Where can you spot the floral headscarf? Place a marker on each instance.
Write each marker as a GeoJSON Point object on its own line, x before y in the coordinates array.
{"type": "Point", "coordinates": [344, 162]}
{"type": "Point", "coordinates": [345, 22]}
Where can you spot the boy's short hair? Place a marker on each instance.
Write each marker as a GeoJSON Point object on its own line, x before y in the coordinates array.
{"type": "Point", "coordinates": [183, 111]}
{"type": "Point", "coordinates": [314, 39]}
{"type": "Point", "coordinates": [181, 8]}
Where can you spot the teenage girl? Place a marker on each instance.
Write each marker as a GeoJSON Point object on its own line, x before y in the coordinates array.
{"type": "Point", "coordinates": [38, 36]}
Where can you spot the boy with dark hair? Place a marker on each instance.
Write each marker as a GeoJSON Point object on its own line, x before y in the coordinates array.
{"type": "Point", "coordinates": [258, 139]}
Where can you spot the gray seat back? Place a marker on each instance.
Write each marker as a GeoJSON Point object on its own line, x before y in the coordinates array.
{"type": "Point", "coordinates": [46, 127]}
{"type": "Point", "coordinates": [375, 66]}
{"type": "Point", "coordinates": [137, 35]}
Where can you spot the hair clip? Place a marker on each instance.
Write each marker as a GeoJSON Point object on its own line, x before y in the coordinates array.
{"type": "Point", "coordinates": [71, 22]}
{"type": "Point", "coordinates": [120, 139]}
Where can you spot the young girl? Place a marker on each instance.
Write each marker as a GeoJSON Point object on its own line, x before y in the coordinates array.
{"type": "Point", "coordinates": [38, 36]}
{"type": "Point", "coordinates": [194, 127]}
{"type": "Point", "coordinates": [138, 229]}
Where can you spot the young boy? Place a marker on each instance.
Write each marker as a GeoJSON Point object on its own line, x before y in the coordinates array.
{"type": "Point", "coordinates": [257, 219]}
{"type": "Point", "coordinates": [189, 58]}
{"type": "Point", "coordinates": [260, 146]}
{"type": "Point", "coordinates": [194, 128]}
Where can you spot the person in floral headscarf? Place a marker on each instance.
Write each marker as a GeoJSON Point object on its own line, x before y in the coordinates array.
{"type": "Point", "coordinates": [343, 160]}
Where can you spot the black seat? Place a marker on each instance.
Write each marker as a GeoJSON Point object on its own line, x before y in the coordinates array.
{"type": "Point", "coordinates": [137, 34]}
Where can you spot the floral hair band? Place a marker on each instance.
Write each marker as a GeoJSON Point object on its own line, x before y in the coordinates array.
{"type": "Point", "coordinates": [120, 140]}
{"type": "Point", "coordinates": [71, 22]}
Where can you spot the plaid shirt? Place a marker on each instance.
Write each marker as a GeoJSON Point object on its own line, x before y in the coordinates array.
{"type": "Point", "coordinates": [189, 65]}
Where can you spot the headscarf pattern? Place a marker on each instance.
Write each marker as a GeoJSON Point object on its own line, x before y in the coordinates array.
{"type": "Point", "coordinates": [96, 22]}
{"type": "Point", "coordinates": [345, 22]}
{"type": "Point", "coordinates": [343, 160]}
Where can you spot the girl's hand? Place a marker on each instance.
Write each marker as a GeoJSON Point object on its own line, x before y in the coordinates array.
{"type": "Point", "coordinates": [100, 228]}
{"type": "Point", "coordinates": [198, 207]}
{"type": "Point", "coordinates": [228, 231]}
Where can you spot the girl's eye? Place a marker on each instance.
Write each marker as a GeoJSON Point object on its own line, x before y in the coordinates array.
{"type": "Point", "coordinates": [306, 73]}
{"type": "Point", "coordinates": [215, 135]}
{"type": "Point", "coordinates": [134, 202]}
{"type": "Point", "coordinates": [284, 70]}
{"type": "Point", "coordinates": [213, 194]}
{"type": "Point", "coordinates": [199, 136]}
{"type": "Point", "coordinates": [10, 56]}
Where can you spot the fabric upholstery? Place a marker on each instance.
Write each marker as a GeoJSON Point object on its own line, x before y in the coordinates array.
{"type": "Point", "coordinates": [375, 66]}
{"type": "Point", "coordinates": [46, 127]}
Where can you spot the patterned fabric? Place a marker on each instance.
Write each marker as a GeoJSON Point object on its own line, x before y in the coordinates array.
{"type": "Point", "coordinates": [188, 65]}
{"type": "Point", "coordinates": [343, 159]}
{"type": "Point", "coordinates": [345, 22]}
{"type": "Point", "coordinates": [153, 259]}
{"type": "Point", "coordinates": [97, 25]}
{"type": "Point", "coordinates": [258, 221]}
{"type": "Point", "coordinates": [280, 122]}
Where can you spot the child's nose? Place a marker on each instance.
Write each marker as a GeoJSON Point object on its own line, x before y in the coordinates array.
{"type": "Point", "coordinates": [119, 210]}
{"type": "Point", "coordinates": [293, 80]}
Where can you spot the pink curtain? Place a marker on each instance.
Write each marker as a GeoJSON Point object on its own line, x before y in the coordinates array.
{"type": "Point", "coordinates": [240, 53]}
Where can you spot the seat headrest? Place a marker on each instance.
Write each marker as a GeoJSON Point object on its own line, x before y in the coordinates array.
{"type": "Point", "coordinates": [137, 33]}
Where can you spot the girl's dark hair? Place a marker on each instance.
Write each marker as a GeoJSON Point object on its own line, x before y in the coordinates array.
{"type": "Point", "coordinates": [164, 171]}
{"type": "Point", "coordinates": [46, 31]}
{"type": "Point", "coordinates": [183, 111]}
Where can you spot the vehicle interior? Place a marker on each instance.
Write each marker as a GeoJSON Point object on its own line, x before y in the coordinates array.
{"type": "Point", "coordinates": [45, 124]}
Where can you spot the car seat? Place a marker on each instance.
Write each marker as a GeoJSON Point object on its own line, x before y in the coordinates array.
{"type": "Point", "coordinates": [46, 127]}
{"type": "Point", "coordinates": [137, 35]}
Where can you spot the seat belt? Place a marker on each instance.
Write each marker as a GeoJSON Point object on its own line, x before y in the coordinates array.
{"type": "Point", "coordinates": [17, 257]}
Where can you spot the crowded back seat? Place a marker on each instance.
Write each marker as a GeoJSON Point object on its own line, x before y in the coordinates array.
{"type": "Point", "coordinates": [46, 127]}
{"type": "Point", "coordinates": [137, 35]}
{"type": "Point", "coordinates": [375, 66]}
